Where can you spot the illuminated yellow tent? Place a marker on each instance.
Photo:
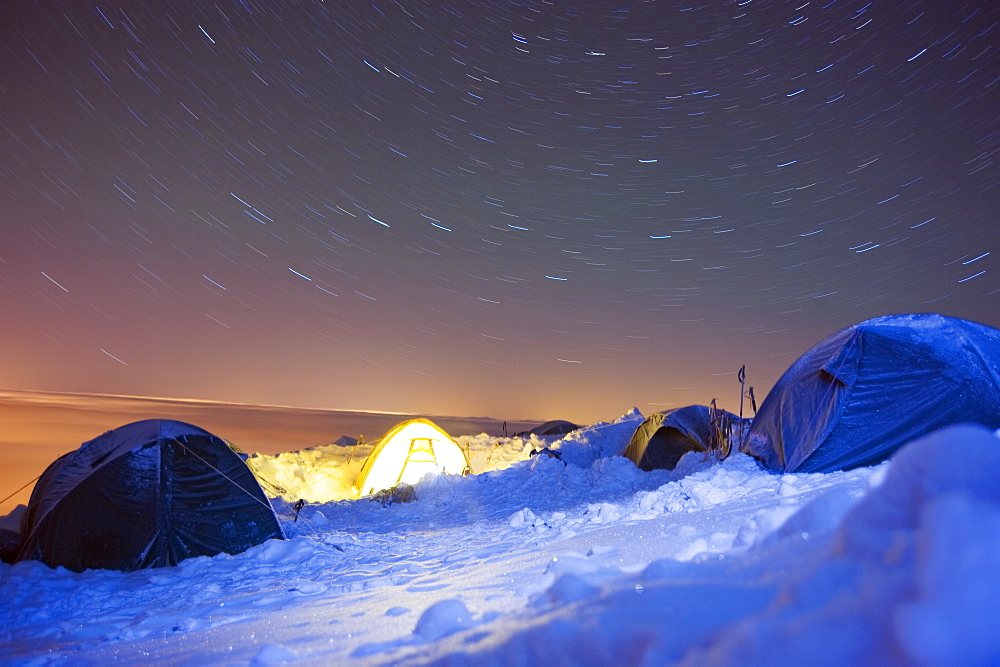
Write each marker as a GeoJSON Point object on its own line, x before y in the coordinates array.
{"type": "Point", "coordinates": [409, 451]}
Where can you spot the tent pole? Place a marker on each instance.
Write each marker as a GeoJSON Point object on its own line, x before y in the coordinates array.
{"type": "Point", "coordinates": [354, 451]}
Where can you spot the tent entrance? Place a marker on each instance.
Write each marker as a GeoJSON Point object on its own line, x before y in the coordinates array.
{"type": "Point", "coordinates": [419, 461]}
{"type": "Point", "coordinates": [666, 448]}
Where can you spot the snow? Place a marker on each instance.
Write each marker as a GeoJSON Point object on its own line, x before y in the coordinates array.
{"type": "Point", "coordinates": [575, 558]}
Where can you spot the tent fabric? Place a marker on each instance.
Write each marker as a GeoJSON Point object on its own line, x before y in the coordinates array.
{"type": "Point", "coordinates": [865, 391]}
{"type": "Point", "coordinates": [554, 427]}
{"type": "Point", "coordinates": [10, 545]}
{"type": "Point", "coordinates": [663, 438]}
{"type": "Point", "coordinates": [407, 452]}
{"type": "Point", "coordinates": [147, 494]}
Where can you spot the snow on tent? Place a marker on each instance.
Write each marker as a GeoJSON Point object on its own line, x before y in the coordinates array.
{"type": "Point", "coordinates": [550, 428]}
{"type": "Point", "coordinates": [664, 437]}
{"type": "Point", "coordinates": [860, 394]}
{"type": "Point", "coordinates": [409, 451]}
{"type": "Point", "coordinates": [148, 494]}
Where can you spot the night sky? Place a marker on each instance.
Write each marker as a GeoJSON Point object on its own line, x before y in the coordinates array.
{"type": "Point", "coordinates": [514, 209]}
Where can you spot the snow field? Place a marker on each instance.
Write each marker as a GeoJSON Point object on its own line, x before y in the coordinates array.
{"type": "Point", "coordinates": [582, 560]}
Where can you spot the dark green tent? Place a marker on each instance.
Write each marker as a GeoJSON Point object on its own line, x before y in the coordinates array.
{"type": "Point", "coordinates": [148, 494]}
{"type": "Point", "coordinates": [664, 437]}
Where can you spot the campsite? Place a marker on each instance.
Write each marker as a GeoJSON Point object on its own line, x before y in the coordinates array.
{"type": "Point", "coordinates": [572, 547]}
{"type": "Point", "coordinates": [499, 332]}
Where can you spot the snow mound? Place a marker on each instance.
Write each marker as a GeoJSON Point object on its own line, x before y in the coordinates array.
{"type": "Point", "coordinates": [441, 619]}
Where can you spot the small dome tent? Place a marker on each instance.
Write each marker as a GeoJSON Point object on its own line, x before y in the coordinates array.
{"type": "Point", "coordinates": [663, 438]}
{"type": "Point", "coordinates": [409, 451]}
{"type": "Point", "coordinates": [860, 394]}
{"type": "Point", "coordinates": [550, 428]}
{"type": "Point", "coordinates": [147, 494]}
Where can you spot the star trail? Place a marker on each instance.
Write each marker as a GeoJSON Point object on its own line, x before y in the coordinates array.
{"type": "Point", "coordinates": [517, 209]}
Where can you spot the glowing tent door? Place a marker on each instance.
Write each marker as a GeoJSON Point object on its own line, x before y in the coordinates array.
{"type": "Point", "coordinates": [420, 460]}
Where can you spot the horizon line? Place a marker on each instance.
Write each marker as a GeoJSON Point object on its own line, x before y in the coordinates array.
{"type": "Point", "coordinates": [251, 405]}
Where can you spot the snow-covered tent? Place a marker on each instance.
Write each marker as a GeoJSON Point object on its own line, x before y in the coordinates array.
{"type": "Point", "coordinates": [553, 427]}
{"type": "Point", "coordinates": [860, 394]}
{"type": "Point", "coordinates": [663, 438]}
{"type": "Point", "coordinates": [407, 452]}
{"type": "Point", "coordinates": [147, 494]}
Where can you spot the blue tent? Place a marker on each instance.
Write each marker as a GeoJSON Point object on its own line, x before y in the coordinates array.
{"type": "Point", "coordinates": [857, 396]}
{"type": "Point", "coordinates": [148, 494]}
